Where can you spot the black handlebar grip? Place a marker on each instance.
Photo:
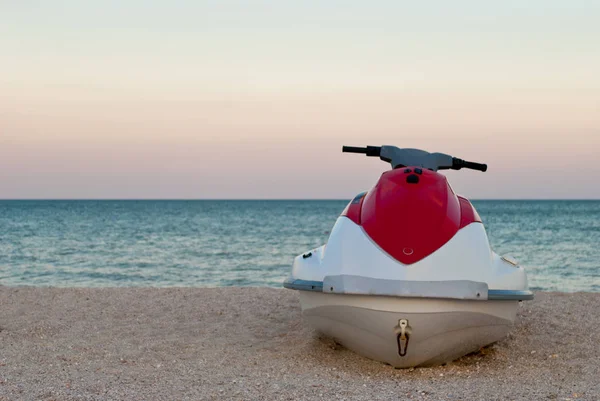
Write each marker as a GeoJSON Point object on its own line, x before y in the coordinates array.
{"type": "Point", "coordinates": [369, 150]}
{"type": "Point", "coordinates": [354, 149]}
{"type": "Point", "coordinates": [457, 164]}
{"type": "Point", "coordinates": [476, 166]}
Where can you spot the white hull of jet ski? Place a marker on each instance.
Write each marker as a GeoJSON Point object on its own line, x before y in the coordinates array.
{"type": "Point", "coordinates": [440, 330]}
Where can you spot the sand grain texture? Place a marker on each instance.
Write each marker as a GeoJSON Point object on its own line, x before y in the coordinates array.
{"type": "Point", "coordinates": [252, 344]}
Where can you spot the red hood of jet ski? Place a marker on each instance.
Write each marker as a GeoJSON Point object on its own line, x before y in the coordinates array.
{"type": "Point", "coordinates": [410, 213]}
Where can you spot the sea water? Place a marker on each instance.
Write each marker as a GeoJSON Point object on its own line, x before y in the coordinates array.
{"type": "Point", "coordinates": [253, 243]}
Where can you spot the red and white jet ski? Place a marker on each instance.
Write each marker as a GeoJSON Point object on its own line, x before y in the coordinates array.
{"type": "Point", "coordinates": [407, 276]}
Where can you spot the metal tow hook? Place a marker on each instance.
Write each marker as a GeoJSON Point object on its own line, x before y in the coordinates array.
{"type": "Point", "coordinates": [402, 336]}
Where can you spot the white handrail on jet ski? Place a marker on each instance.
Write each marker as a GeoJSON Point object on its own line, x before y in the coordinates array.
{"type": "Point", "coordinates": [407, 276]}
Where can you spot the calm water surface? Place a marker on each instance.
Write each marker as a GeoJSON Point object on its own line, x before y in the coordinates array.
{"type": "Point", "coordinates": [224, 243]}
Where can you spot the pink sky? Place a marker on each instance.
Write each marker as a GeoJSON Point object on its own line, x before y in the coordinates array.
{"type": "Point", "coordinates": [252, 108]}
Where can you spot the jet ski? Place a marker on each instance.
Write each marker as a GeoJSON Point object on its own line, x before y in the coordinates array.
{"type": "Point", "coordinates": [407, 276]}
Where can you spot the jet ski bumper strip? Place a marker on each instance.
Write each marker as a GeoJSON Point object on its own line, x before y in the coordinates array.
{"type": "Point", "coordinates": [303, 285]}
{"type": "Point", "coordinates": [456, 289]}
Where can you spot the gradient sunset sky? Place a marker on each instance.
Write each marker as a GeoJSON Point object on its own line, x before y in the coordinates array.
{"type": "Point", "coordinates": [254, 99]}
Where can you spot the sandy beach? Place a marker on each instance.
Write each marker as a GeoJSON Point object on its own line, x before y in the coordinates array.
{"type": "Point", "coordinates": [251, 343]}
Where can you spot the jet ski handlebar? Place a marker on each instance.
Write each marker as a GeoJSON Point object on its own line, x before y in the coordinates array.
{"type": "Point", "coordinates": [415, 157]}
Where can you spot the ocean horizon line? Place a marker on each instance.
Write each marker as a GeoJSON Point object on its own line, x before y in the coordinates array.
{"type": "Point", "coordinates": [268, 199]}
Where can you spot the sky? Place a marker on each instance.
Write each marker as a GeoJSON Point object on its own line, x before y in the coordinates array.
{"type": "Point", "coordinates": [254, 99]}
